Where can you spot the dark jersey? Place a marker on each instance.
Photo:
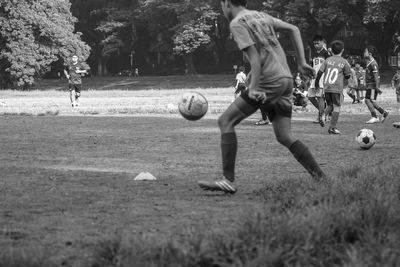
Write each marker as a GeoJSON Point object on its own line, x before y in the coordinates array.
{"type": "Point", "coordinates": [370, 71]}
{"type": "Point", "coordinates": [335, 68]}
{"type": "Point", "coordinates": [318, 57]}
{"type": "Point", "coordinates": [74, 78]}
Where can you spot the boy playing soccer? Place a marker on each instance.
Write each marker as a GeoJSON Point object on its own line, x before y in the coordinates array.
{"type": "Point", "coordinates": [372, 84]}
{"type": "Point", "coordinates": [396, 84]}
{"type": "Point", "coordinates": [270, 87]}
{"type": "Point", "coordinates": [241, 77]}
{"type": "Point", "coordinates": [73, 71]}
{"type": "Point", "coordinates": [316, 94]}
{"type": "Point", "coordinates": [334, 68]}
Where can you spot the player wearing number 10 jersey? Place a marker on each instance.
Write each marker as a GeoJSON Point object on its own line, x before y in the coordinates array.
{"type": "Point", "coordinates": [335, 70]}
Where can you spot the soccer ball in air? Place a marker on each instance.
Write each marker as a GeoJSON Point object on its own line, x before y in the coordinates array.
{"type": "Point", "coordinates": [193, 106]}
{"type": "Point", "coordinates": [366, 138]}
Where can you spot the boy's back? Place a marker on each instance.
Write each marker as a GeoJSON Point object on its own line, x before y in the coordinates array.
{"type": "Point", "coordinates": [335, 68]}
{"type": "Point", "coordinates": [256, 28]}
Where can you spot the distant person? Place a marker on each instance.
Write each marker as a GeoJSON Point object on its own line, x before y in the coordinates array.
{"type": "Point", "coordinates": [270, 87]}
{"type": "Point", "coordinates": [335, 70]}
{"type": "Point", "coordinates": [136, 72]}
{"type": "Point", "coordinates": [395, 82]}
{"type": "Point", "coordinates": [360, 75]}
{"type": "Point", "coordinates": [73, 72]}
{"type": "Point", "coordinates": [316, 96]}
{"type": "Point", "coordinates": [241, 78]}
{"type": "Point", "coordinates": [300, 93]}
{"type": "Point", "coordinates": [352, 86]}
{"type": "Point", "coordinates": [372, 84]}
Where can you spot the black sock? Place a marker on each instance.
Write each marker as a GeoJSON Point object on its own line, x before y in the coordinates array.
{"type": "Point", "coordinates": [305, 158]}
{"type": "Point", "coordinates": [229, 150]}
{"type": "Point", "coordinates": [381, 110]}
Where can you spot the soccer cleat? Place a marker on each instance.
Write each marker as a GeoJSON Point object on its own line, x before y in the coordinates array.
{"type": "Point", "coordinates": [222, 184]}
{"type": "Point", "coordinates": [372, 120]}
{"type": "Point", "coordinates": [396, 124]}
{"type": "Point", "coordinates": [316, 121]}
{"type": "Point", "coordinates": [262, 122]}
{"type": "Point", "coordinates": [385, 115]}
{"type": "Point", "coordinates": [333, 130]}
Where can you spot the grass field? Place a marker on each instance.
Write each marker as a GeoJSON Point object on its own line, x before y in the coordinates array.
{"type": "Point", "coordinates": [68, 198]}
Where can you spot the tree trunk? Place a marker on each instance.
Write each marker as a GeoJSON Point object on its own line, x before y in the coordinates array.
{"type": "Point", "coordinates": [190, 69]}
{"type": "Point", "coordinates": [102, 66]}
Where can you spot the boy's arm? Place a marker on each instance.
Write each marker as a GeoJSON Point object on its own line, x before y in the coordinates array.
{"type": "Point", "coordinates": [66, 74]}
{"type": "Point", "coordinates": [297, 42]}
{"type": "Point", "coordinates": [254, 59]}
{"type": "Point", "coordinates": [319, 75]}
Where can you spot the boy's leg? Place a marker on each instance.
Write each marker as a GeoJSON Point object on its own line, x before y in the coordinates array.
{"type": "Point", "coordinates": [72, 95]}
{"type": "Point", "coordinates": [371, 108]}
{"type": "Point", "coordinates": [78, 89]}
{"type": "Point", "coordinates": [283, 133]}
{"type": "Point", "coordinates": [234, 114]}
{"type": "Point", "coordinates": [334, 120]}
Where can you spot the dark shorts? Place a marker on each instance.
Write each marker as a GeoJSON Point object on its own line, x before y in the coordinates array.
{"type": "Point", "coordinates": [75, 87]}
{"type": "Point", "coordinates": [278, 103]}
{"type": "Point", "coordinates": [333, 99]}
{"type": "Point", "coordinates": [241, 88]}
{"type": "Point", "coordinates": [371, 94]}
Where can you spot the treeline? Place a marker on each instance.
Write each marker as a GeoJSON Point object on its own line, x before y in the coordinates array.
{"type": "Point", "coordinates": [166, 36]}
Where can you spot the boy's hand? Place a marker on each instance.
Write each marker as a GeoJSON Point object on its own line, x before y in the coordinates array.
{"type": "Point", "coordinates": [379, 91]}
{"type": "Point", "coordinates": [306, 70]}
{"type": "Point", "coordinates": [257, 95]}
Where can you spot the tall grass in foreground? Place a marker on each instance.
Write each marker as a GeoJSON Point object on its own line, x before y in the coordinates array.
{"type": "Point", "coordinates": [353, 220]}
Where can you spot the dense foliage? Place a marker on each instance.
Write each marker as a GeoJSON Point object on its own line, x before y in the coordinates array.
{"type": "Point", "coordinates": [33, 34]}
{"type": "Point", "coordinates": [157, 35]}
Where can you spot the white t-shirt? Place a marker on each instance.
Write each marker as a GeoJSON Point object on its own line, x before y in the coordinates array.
{"type": "Point", "coordinates": [241, 77]}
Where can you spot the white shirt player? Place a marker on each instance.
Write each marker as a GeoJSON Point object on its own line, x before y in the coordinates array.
{"type": "Point", "coordinates": [241, 77]}
{"type": "Point", "coordinates": [316, 64]}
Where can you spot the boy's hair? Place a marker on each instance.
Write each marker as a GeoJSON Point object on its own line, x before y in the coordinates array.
{"type": "Point", "coordinates": [371, 49]}
{"type": "Point", "coordinates": [337, 47]}
{"type": "Point", "coordinates": [237, 2]}
{"type": "Point", "coordinates": [241, 68]}
{"type": "Point", "coordinates": [318, 38]}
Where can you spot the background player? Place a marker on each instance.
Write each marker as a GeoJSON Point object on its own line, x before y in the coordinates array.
{"type": "Point", "coordinates": [395, 82]}
{"type": "Point", "coordinates": [270, 86]}
{"type": "Point", "coordinates": [240, 81]}
{"type": "Point", "coordinates": [372, 84]}
{"type": "Point", "coordinates": [319, 54]}
{"type": "Point", "coordinates": [73, 72]}
{"type": "Point", "coordinates": [335, 69]}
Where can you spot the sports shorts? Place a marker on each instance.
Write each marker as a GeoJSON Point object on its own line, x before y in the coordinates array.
{"type": "Point", "coordinates": [278, 103]}
{"type": "Point", "coordinates": [75, 87]}
{"type": "Point", "coordinates": [371, 93]}
{"type": "Point", "coordinates": [333, 99]}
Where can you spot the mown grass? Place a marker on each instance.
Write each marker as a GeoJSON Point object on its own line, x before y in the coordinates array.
{"type": "Point", "coordinates": [351, 220]}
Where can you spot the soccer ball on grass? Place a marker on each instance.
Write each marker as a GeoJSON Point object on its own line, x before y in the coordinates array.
{"type": "Point", "coordinates": [366, 138]}
{"type": "Point", "coordinates": [193, 106]}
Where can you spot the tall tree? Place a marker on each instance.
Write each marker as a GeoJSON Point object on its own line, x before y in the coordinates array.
{"type": "Point", "coordinates": [196, 22]}
{"type": "Point", "coordinates": [382, 20]}
{"type": "Point", "coordinates": [33, 34]}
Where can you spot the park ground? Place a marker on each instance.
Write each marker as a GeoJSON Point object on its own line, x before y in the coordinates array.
{"type": "Point", "coordinates": [67, 174]}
